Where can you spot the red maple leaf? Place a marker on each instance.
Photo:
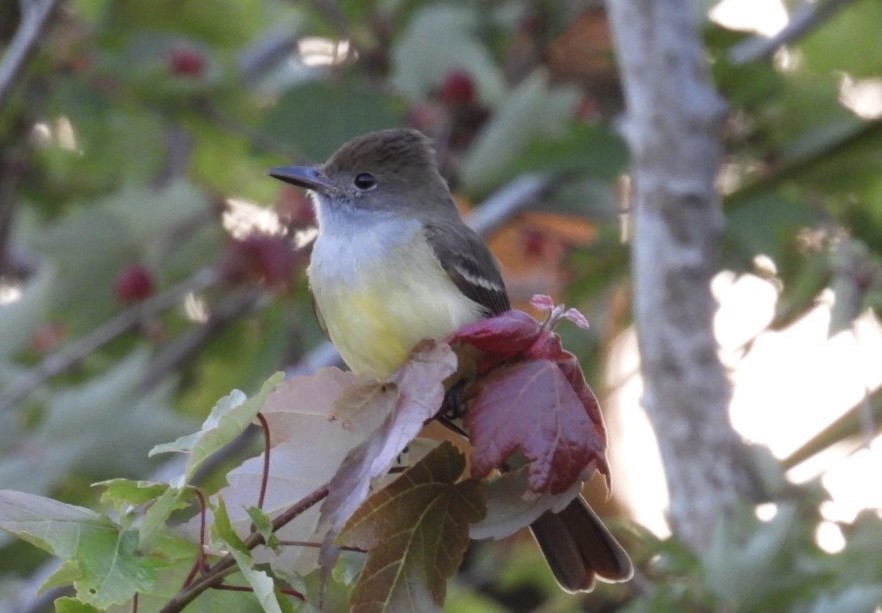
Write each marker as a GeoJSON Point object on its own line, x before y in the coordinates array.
{"type": "Point", "coordinates": [531, 398]}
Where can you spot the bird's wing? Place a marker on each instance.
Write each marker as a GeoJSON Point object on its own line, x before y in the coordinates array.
{"type": "Point", "coordinates": [469, 264]}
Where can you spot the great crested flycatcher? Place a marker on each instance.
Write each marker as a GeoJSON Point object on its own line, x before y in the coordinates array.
{"type": "Point", "coordinates": [394, 264]}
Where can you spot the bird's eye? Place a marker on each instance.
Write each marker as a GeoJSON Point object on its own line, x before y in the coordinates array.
{"type": "Point", "coordinates": [365, 181]}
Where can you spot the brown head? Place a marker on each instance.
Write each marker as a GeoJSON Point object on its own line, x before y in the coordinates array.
{"type": "Point", "coordinates": [387, 170]}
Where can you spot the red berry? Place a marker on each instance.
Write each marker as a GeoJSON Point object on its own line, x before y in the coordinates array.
{"type": "Point", "coordinates": [185, 61]}
{"type": "Point", "coordinates": [133, 284]}
{"type": "Point", "coordinates": [268, 259]}
{"type": "Point", "coordinates": [458, 89]}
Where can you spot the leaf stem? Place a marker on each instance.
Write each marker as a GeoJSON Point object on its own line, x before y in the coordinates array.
{"type": "Point", "coordinates": [199, 563]}
{"type": "Point", "coordinates": [264, 478]}
{"type": "Point", "coordinates": [317, 545]}
{"type": "Point", "coordinates": [245, 588]}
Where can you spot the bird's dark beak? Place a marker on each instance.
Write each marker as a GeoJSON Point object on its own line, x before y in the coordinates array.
{"type": "Point", "coordinates": [309, 177]}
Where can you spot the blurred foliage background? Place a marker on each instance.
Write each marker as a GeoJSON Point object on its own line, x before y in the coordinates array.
{"type": "Point", "coordinates": [147, 268]}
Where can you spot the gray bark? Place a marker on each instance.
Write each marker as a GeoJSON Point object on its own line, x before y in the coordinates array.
{"type": "Point", "coordinates": [672, 122]}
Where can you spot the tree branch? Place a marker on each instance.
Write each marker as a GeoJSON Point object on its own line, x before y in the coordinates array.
{"type": "Point", "coordinates": [76, 351]}
{"type": "Point", "coordinates": [35, 18]}
{"type": "Point", "coordinates": [672, 126]}
{"type": "Point", "coordinates": [809, 18]}
{"type": "Point", "coordinates": [508, 201]}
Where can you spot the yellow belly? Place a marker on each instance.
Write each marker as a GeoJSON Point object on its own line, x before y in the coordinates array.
{"type": "Point", "coordinates": [377, 316]}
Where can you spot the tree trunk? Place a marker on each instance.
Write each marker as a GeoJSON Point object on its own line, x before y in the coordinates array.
{"type": "Point", "coordinates": [672, 124]}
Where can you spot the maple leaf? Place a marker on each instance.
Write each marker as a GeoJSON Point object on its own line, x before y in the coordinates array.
{"type": "Point", "coordinates": [101, 557]}
{"type": "Point", "coordinates": [530, 407]}
{"type": "Point", "coordinates": [416, 532]}
{"type": "Point", "coordinates": [570, 368]}
{"type": "Point", "coordinates": [505, 336]}
{"type": "Point", "coordinates": [418, 389]}
{"type": "Point", "coordinates": [530, 397]}
{"type": "Point", "coordinates": [308, 444]}
{"type": "Point", "coordinates": [230, 417]}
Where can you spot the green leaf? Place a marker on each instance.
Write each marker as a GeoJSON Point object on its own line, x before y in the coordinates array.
{"type": "Point", "coordinates": [153, 522]}
{"type": "Point", "coordinates": [416, 532]}
{"type": "Point", "coordinates": [438, 39]}
{"type": "Point", "coordinates": [223, 529]}
{"type": "Point", "coordinates": [64, 576]}
{"type": "Point", "coordinates": [73, 434]}
{"type": "Point", "coordinates": [114, 570]}
{"type": "Point", "coordinates": [127, 492]}
{"type": "Point", "coordinates": [127, 496]}
{"type": "Point", "coordinates": [223, 22]}
{"type": "Point", "coordinates": [87, 262]}
{"type": "Point", "coordinates": [851, 261]}
{"type": "Point", "coordinates": [20, 319]}
{"type": "Point", "coordinates": [754, 83]}
{"type": "Point", "coordinates": [148, 225]}
{"type": "Point", "coordinates": [320, 116]}
{"type": "Point", "coordinates": [262, 584]}
{"type": "Point", "coordinates": [594, 150]}
{"type": "Point", "coordinates": [174, 560]}
{"type": "Point", "coordinates": [801, 288]}
{"type": "Point", "coordinates": [227, 420]}
{"type": "Point", "coordinates": [265, 527]}
{"type": "Point", "coordinates": [742, 571]}
{"type": "Point", "coordinates": [532, 110]}
{"type": "Point", "coordinates": [765, 223]}
{"type": "Point", "coordinates": [849, 41]}
{"type": "Point", "coordinates": [56, 527]}
{"type": "Point", "coordinates": [68, 604]}
{"type": "Point", "coordinates": [854, 598]}
{"type": "Point", "coordinates": [110, 567]}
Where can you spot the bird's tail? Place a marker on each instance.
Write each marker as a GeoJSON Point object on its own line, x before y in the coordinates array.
{"type": "Point", "coordinates": [579, 548]}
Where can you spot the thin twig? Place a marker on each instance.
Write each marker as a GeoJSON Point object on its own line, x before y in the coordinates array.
{"type": "Point", "coordinates": [35, 18]}
{"type": "Point", "coordinates": [809, 18]}
{"type": "Point", "coordinates": [246, 588]}
{"type": "Point", "coordinates": [70, 355]}
{"type": "Point", "coordinates": [227, 565]}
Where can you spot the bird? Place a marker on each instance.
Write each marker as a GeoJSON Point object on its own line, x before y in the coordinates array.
{"type": "Point", "coordinates": [393, 264]}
